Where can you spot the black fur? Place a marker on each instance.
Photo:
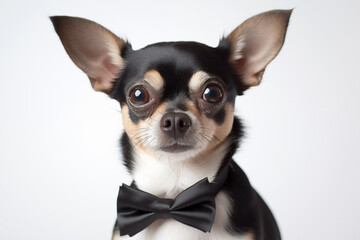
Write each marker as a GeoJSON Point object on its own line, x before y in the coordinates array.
{"type": "Point", "coordinates": [127, 152]}
{"type": "Point", "coordinates": [249, 213]}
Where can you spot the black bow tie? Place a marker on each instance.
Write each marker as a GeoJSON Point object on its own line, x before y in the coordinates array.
{"type": "Point", "coordinates": [195, 206]}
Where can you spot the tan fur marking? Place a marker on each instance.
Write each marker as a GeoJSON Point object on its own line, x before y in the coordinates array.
{"type": "Point", "coordinates": [129, 126]}
{"type": "Point", "coordinates": [138, 131]}
{"type": "Point", "coordinates": [193, 109]}
{"type": "Point", "coordinates": [224, 129]}
{"type": "Point", "coordinates": [154, 78]}
{"type": "Point", "coordinates": [217, 133]}
{"type": "Point", "coordinates": [158, 111]}
{"type": "Point", "coordinates": [197, 80]}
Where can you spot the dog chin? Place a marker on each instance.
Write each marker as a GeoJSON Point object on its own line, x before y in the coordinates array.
{"type": "Point", "coordinates": [177, 152]}
{"type": "Point", "coordinates": [176, 148]}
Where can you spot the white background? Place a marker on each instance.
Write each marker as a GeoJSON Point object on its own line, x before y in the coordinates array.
{"type": "Point", "coordinates": [59, 156]}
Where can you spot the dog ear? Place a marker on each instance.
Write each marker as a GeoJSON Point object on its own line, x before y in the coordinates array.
{"type": "Point", "coordinates": [255, 43]}
{"type": "Point", "coordinates": [93, 48]}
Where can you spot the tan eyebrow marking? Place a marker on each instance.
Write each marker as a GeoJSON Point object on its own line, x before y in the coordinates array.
{"type": "Point", "coordinates": [197, 80]}
{"type": "Point", "coordinates": [155, 79]}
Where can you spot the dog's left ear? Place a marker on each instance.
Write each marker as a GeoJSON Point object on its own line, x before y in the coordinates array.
{"type": "Point", "coordinates": [255, 43]}
{"type": "Point", "coordinates": [93, 48]}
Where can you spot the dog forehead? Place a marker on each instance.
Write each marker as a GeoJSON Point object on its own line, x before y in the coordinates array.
{"type": "Point", "coordinates": [182, 54]}
{"type": "Point", "coordinates": [176, 62]}
{"type": "Point", "coordinates": [174, 59]}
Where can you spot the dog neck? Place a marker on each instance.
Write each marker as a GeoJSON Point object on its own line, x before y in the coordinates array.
{"type": "Point", "coordinates": [166, 178]}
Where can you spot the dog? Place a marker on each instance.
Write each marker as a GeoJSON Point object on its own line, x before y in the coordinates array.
{"type": "Point", "coordinates": [177, 102]}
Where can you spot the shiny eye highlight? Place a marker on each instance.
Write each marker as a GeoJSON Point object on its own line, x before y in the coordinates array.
{"type": "Point", "coordinates": [139, 96]}
{"type": "Point", "coordinates": [212, 93]}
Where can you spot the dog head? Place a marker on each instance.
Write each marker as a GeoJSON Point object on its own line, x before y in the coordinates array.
{"type": "Point", "coordinates": [175, 97]}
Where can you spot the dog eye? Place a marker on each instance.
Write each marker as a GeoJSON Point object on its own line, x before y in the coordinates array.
{"type": "Point", "coordinates": [212, 93]}
{"type": "Point", "coordinates": [139, 96]}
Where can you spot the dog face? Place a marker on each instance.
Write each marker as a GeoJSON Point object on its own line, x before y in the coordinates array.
{"type": "Point", "coordinates": [175, 97]}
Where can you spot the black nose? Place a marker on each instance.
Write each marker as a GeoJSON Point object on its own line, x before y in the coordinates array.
{"type": "Point", "coordinates": [175, 124]}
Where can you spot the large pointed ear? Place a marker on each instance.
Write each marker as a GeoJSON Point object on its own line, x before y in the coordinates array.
{"type": "Point", "coordinates": [255, 43]}
{"type": "Point", "coordinates": [93, 48]}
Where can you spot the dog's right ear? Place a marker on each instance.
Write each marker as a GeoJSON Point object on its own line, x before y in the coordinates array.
{"type": "Point", "coordinates": [93, 48]}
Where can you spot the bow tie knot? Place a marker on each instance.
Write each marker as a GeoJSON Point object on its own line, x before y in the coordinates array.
{"type": "Point", "coordinates": [162, 208]}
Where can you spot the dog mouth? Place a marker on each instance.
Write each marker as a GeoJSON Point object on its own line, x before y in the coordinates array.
{"type": "Point", "coordinates": [176, 148]}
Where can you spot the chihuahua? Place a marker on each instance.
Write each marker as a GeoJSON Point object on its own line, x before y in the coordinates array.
{"type": "Point", "coordinates": [177, 102]}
